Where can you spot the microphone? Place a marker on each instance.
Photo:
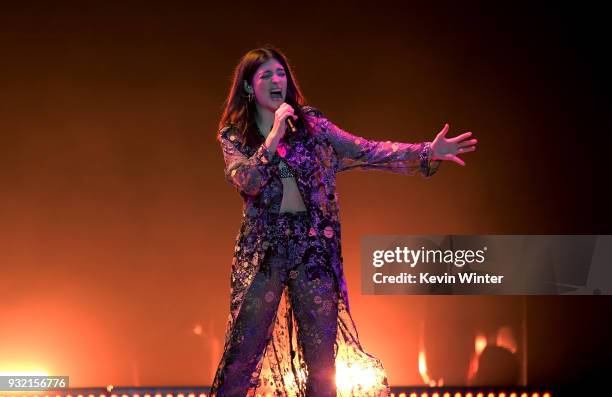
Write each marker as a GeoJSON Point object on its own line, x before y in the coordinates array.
{"type": "Point", "coordinates": [291, 124]}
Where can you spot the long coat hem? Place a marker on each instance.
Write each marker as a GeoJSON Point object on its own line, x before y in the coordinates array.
{"type": "Point", "coordinates": [315, 156]}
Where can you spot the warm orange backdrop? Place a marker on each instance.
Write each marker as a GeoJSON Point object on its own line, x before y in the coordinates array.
{"type": "Point", "coordinates": [117, 227]}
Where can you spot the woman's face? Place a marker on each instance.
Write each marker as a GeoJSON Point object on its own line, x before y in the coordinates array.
{"type": "Point", "coordinates": [270, 84]}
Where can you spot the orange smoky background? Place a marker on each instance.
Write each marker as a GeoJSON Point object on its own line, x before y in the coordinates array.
{"type": "Point", "coordinates": [117, 226]}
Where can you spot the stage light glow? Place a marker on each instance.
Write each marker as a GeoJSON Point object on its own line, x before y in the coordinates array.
{"type": "Point", "coordinates": [505, 338]}
{"type": "Point", "coordinates": [480, 342]}
{"type": "Point", "coordinates": [25, 372]}
{"type": "Point", "coordinates": [353, 374]}
{"type": "Point", "coordinates": [423, 369]}
{"type": "Point", "coordinates": [289, 378]}
{"type": "Point", "coordinates": [349, 377]}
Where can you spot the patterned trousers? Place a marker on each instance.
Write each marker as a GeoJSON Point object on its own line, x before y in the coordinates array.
{"type": "Point", "coordinates": [314, 301]}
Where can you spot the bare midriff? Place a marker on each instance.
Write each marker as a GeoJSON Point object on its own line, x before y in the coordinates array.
{"type": "Point", "coordinates": [292, 200]}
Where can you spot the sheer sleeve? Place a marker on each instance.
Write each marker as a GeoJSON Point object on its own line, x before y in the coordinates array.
{"type": "Point", "coordinates": [247, 174]}
{"type": "Point", "coordinates": [356, 152]}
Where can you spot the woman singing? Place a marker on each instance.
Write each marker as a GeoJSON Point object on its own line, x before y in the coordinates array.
{"type": "Point", "coordinates": [290, 331]}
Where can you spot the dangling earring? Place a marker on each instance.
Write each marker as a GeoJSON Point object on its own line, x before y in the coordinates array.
{"type": "Point", "coordinates": [250, 97]}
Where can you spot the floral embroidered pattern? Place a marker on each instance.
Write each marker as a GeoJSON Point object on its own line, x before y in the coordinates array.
{"type": "Point", "coordinates": [314, 159]}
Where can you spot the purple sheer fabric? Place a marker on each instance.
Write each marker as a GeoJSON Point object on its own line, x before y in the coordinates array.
{"type": "Point", "coordinates": [314, 159]}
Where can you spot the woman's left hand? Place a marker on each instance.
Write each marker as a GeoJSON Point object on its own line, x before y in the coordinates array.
{"type": "Point", "coordinates": [446, 148]}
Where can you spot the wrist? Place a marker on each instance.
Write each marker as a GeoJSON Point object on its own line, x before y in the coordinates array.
{"type": "Point", "coordinates": [431, 150]}
{"type": "Point", "coordinates": [270, 143]}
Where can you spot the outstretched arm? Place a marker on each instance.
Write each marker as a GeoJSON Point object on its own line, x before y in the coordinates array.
{"type": "Point", "coordinates": [356, 152]}
{"type": "Point", "coordinates": [247, 174]}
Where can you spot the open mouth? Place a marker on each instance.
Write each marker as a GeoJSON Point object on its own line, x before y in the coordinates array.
{"type": "Point", "coordinates": [276, 95]}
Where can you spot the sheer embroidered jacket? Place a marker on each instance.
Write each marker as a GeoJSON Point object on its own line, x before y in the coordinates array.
{"type": "Point", "coordinates": [314, 159]}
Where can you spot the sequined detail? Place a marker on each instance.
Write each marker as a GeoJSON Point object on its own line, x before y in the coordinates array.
{"type": "Point", "coordinates": [285, 172]}
{"type": "Point", "coordinates": [316, 156]}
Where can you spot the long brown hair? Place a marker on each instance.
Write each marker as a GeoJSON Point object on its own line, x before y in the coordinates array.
{"type": "Point", "coordinates": [240, 113]}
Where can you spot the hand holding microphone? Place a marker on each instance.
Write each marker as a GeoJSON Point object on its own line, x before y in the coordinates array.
{"type": "Point", "coordinates": [283, 119]}
{"type": "Point", "coordinates": [291, 125]}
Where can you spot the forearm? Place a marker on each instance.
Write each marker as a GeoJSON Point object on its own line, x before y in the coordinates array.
{"type": "Point", "coordinates": [271, 142]}
{"type": "Point", "coordinates": [398, 157]}
{"type": "Point", "coordinates": [247, 174]}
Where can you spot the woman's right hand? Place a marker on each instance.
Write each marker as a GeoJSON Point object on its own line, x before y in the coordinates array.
{"type": "Point", "coordinates": [283, 112]}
